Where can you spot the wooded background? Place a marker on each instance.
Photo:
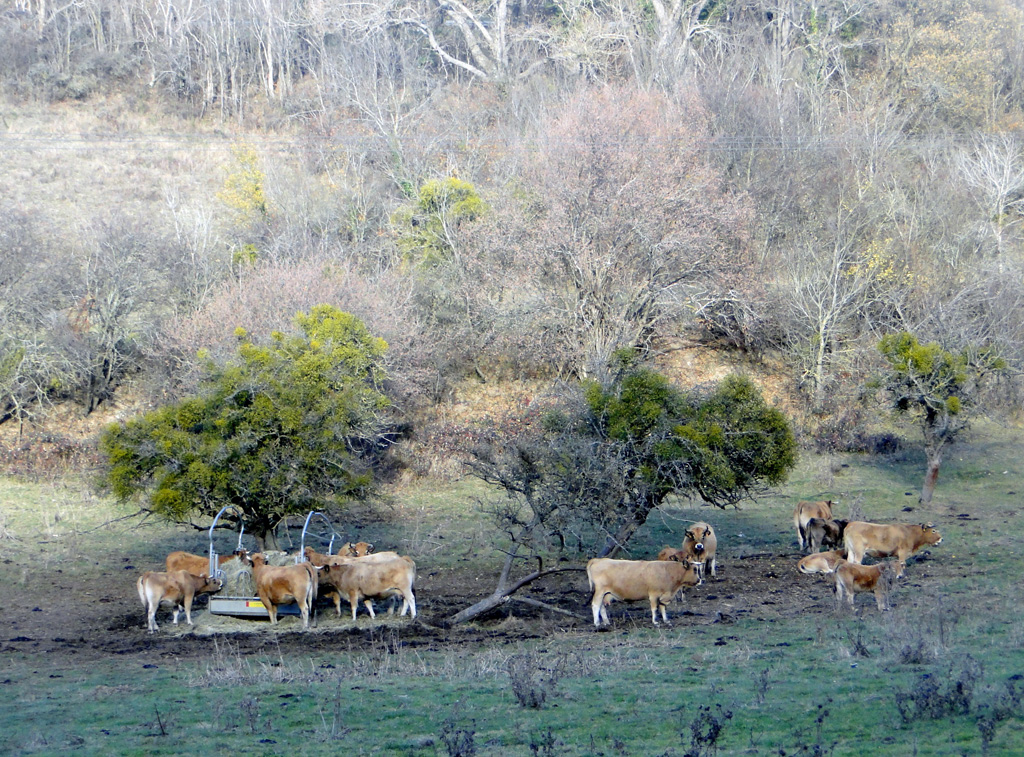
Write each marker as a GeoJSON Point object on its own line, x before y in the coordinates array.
{"type": "Point", "coordinates": [509, 190]}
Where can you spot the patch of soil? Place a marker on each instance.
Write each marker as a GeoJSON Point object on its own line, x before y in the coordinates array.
{"type": "Point", "coordinates": [69, 618]}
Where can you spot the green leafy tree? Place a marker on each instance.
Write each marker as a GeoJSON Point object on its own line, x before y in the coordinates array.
{"type": "Point", "coordinates": [294, 425]}
{"type": "Point", "coordinates": [426, 229]}
{"type": "Point", "coordinates": [940, 389]}
{"type": "Point", "coordinates": [593, 467]}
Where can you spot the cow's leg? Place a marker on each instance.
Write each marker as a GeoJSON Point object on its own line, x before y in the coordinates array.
{"type": "Point", "coordinates": [409, 602]}
{"type": "Point", "coordinates": [596, 606]}
{"type": "Point", "coordinates": [177, 609]}
{"type": "Point", "coordinates": [663, 606]}
{"type": "Point", "coordinates": [654, 609]}
{"type": "Point", "coordinates": [714, 568]}
{"type": "Point", "coordinates": [369, 607]}
{"type": "Point", "coordinates": [151, 616]}
{"type": "Point", "coordinates": [353, 601]}
{"type": "Point", "coordinates": [189, 596]}
{"type": "Point", "coordinates": [271, 608]}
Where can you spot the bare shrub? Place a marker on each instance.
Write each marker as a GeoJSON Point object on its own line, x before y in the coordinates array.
{"type": "Point", "coordinates": [855, 510]}
{"type": "Point", "coordinates": [532, 682]}
{"type": "Point", "coordinates": [844, 431]}
{"type": "Point", "coordinates": [938, 695]}
{"type": "Point", "coordinates": [334, 730]}
{"type": "Point", "coordinates": [1004, 706]}
{"type": "Point", "coordinates": [458, 741]}
{"type": "Point", "coordinates": [705, 730]}
{"type": "Point", "coordinates": [812, 744]}
{"type": "Point", "coordinates": [856, 638]}
{"type": "Point", "coordinates": [920, 638]}
{"type": "Point", "coordinates": [44, 456]}
{"type": "Point", "coordinates": [544, 744]}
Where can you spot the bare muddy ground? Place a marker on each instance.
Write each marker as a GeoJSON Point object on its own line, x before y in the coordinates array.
{"type": "Point", "coordinates": [64, 616]}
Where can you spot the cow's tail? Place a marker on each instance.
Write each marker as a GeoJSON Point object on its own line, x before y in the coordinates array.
{"type": "Point", "coordinates": [314, 582]}
{"type": "Point", "coordinates": [141, 586]}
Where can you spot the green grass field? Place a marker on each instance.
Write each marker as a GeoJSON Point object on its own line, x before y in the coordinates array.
{"type": "Point", "coordinates": [942, 674]}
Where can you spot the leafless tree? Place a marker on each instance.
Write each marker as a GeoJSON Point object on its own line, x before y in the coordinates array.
{"type": "Point", "coordinates": [491, 40]}
{"type": "Point", "coordinates": [994, 169]}
{"type": "Point", "coordinates": [617, 207]}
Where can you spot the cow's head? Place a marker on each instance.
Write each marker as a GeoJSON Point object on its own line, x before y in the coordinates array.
{"type": "Point", "coordinates": [930, 535]}
{"type": "Point", "coordinates": [243, 556]}
{"type": "Point", "coordinates": [668, 553]}
{"type": "Point", "coordinates": [210, 585]}
{"type": "Point", "coordinates": [362, 548]}
{"type": "Point", "coordinates": [696, 537]}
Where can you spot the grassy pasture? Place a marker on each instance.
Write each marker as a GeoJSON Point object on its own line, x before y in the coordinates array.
{"type": "Point", "coordinates": [943, 673]}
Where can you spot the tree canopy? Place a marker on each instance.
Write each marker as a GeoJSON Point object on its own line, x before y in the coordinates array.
{"type": "Point", "coordinates": [591, 468]}
{"type": "Point", "coordinates": [941, 389]}
{"type": "Point", "coordinates": [293, 425]}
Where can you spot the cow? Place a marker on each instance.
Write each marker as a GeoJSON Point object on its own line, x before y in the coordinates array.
{"type": "Point", "coordinates": [320, 560]}
{"type": "Point", "coordinates": [631, 580]}
{"type": "Point", "coordinates": [806, 510]}
{"type": "Point", "coordinates": [281, 585]}
{"type": "Point", "coordinates": [900, 540]}
{"type": "Point", "coordinates": [824, 533]}
{"type": "Point", "coordinates": [361, 579]}
{"type": "Point", "coordinates": [197, 564]}
{"type": "Point", "coordinates": [821, 562]}
{"type": "Point", "coordinates": [852, 578]}
{"type": "Point", "coordinates": [177, 588]}
{"type": "Point", "coordinates": [699, 545]}
{"type": "Point", "coordinates": [669, 553]}
{"type": "Point", "coordinates": [359, 549]}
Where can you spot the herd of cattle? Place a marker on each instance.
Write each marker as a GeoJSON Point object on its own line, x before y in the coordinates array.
{"type": "Point", "coordinates": [659, 581]}
{"type": "Point", "coordinates": [356, 572]}
{"type": "Point", "coordinates": [851, 541]}
{"type": "Point", "coordinates": [360, 574]}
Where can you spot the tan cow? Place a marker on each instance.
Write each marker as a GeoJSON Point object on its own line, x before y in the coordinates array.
{"type": "Point", "coordinates": [361, 579]}
{"type": "Point", "coordinates": [670, 553]}
{"type": "Point", "coordinates": [177, 588]}
{"type": "Point", "coordinates": [658, 581]}
{"type": "Point", "coordinates": [900, 540]}
{"type": "Point", "coordinates": [699, 546]}
{"type": "Point", "coordinates": [197, 564]}
{"type": "Point", "coordinates": [806, 510]}
{"type": "Point", "coordinates": [281, 585]}
{"type": "Point", "coordinates": [359, 549]}
{"type": "Point", "coordinates": [322, 561]}
{"type": "Point", "coordinates": [824, 533]}
{"type": "Point", "coordinates": [852, 578]}
{"type": "Point", "coordinates": [821, 562]}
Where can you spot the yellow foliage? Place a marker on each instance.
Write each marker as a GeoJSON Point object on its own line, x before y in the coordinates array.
{"type": "Point", "coordinates": [880, 264]}
{"type": "Point", "coordinates": [243, 188]}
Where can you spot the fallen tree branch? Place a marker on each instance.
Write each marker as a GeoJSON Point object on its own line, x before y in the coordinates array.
{"type": "Point", "coordinates": [546, 606]}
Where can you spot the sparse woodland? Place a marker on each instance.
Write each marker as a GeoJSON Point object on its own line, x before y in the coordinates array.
{"type": "Point", "coordinates": [510, 191]}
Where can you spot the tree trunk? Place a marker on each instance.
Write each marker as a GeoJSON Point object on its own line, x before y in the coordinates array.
{"type": "Point", "coordinates": [625, 533]}
{"type": "Point", "coordinates": [931, 475]}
